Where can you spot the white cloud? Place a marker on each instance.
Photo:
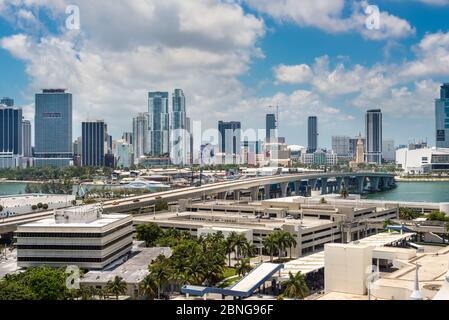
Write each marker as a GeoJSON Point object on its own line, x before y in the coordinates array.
{"type": "Point", "coordinates": [293, 74]}
{"type": "Point", "coordinates": [200, 46]}
{"type": "Point", "coordinates": [329, 16]}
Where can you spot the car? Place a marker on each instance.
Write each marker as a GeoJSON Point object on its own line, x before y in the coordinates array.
{"type": "Point", "coordinates": [136, 200]}
{"type": "Point", "coordinates": [115, 203]}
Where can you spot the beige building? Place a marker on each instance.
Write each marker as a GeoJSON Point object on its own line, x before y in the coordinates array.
{"type": "Point", "coordinates": [313, 225]}
{"type": "Point", "coordinates": [79, 236]}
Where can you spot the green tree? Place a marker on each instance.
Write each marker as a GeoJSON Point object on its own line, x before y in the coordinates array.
{"type": "Point", "coordinates": [270, 244]}
{"type": "Point", "coordinates": [407, 214]}
{"type": "Point", "coordinates": [243, 267]}
{"type": "Point", "coordinates": [149, 287]}
{"type": "Point", "coordinates": [116, 286]}
{"type": "Point", "coordinates": [344, 192]}
{"type": "Point", "coordinates": [290, 242]}
{"type": "Point", "coordinates": [437, 216]}
{"type": "Point", "coordinates": [295, 286]}
{"type": "Point", "coordinates": [149, 233]}
{"type": "Point", "coordinates": [161, 205]}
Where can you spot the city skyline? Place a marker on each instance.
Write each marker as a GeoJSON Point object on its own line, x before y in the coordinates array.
{"type": "Point", "coordinates": [346, 71]}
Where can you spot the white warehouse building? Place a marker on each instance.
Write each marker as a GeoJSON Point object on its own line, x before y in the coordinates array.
{"type": "Point", "coordinates": [423, 161]}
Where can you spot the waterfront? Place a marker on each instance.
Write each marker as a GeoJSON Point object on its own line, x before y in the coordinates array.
{"type": "Point", "coordinates": [416, 191]}
{"type": "Point", "coordinates": [406, 191]}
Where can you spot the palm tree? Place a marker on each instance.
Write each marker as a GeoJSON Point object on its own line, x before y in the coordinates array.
{"type": "Point", "coordinates": [270, 245]}
{"type": "Point", "coordinates": [243, 267]}
{"type": "Point", "coordinates": [230, 245]}
{"type": "Point", "coordinates": [290, 241]}
{"type": "Point", "coordinates": [116, 286]}
{"type": "Point", "coordinates": [161, 273]}
{"type": "Point", "coordinates": [149, 287]}
{"type": "Point", "coordinates": [295, 286]}
{"type": "Point", "coordinates": [239, 243]}
{"type": "Point", "coordinates": [344, 192]}
{"type": "Point", "coordinates": [281, 238]}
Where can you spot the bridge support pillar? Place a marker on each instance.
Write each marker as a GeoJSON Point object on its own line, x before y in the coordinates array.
{"type": "Point", "coordinates": [222, 195]}
{"type": "Point", "coordinates": [267, 191]}
{"type": "Point", "coordinates": [312, 183]}
{"type": "Point", "coordinates": [284, 188]}
{"type": "Point", "coordinates": [255, 193]}
{"type": "Point", "coordinates": [297, 187]}
{"type": "Point", "coordinates": [338, 185]}
{"type": "Point", "coordinates": [360, 184]}
{"type": "Point", "coordinates": [374, 183]}
{"type": "Point", "coordinates": [323, 186]}
{"type": "Point", "coordinates": [236, 195]}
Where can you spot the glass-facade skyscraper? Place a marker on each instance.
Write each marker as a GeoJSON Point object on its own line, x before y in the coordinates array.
{"type": "Point", "coordinates": [312, 134]}
{"type": "Point", "coordinates": [10, 136]}
{"type": "Point", "coordinates": [229, 138]}
{"type": "Point", "coordinates": [94, 143]}
{"type": "Point", "coordinates": [7, 102]}
{"type": "Point", "coordinates": [270, 126]}
{"type": "Point", "coordinates": [442, 117]}
{"type": "Point", "coordinates": [373, 125]}
{"type": "Point", "coordinates": [53, 128]}
{"type": "Point", "coordinates": [158, 123]}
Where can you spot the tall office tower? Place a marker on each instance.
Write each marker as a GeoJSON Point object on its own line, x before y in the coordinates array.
{"type": "Point", "coordinates": [229, 138]}
{"type": "Point", "coordinates": [189, 128]}
{"type": "Point", "coordinates": [442, 117]}
{"type": "Point", "coordinates": [93, 141]}
{"type": "Point", "coordinates": [128, 137]}
{"type": "Point", "coordinates": [373, 124]}
{"type": "Point", "coordinates": [270, 127]}
{"type": "Point", "coordinates": [158, 123]}
{"type": "Point", "coordinates": [312, 134]}
{"type": "Point", "coordinates": [10, 136]}
{"type": "Point", "coordinates": [179, 137]}
{"type": "Point", "coordinates": [7, 102]}
{"type": "Point", "coordinates": [340, 145]}
{"type": "Point", "coordinates": [26, 139]}
{"type": "Point", "coordinates": [53, 128]}
{"type": "Point", "coordinates": [140, 135]}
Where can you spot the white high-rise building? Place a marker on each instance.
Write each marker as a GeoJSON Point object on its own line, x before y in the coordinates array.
{"type": "Point", "coordinates": [179, 135]}
{"type": "Point", "coordinates": [140, 136]}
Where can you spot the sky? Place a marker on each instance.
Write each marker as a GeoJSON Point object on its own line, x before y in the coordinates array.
{"type": "Point", "coordinates": [234, 58]}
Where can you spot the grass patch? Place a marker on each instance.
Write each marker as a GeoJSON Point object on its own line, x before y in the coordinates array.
{"type": "Point", "coordinates": [228, 272]}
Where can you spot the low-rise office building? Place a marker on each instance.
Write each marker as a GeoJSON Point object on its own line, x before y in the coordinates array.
{"type": "Point", "coordinates": [79, 236]}
{"type": "Point", "coordinates": [313, 225]}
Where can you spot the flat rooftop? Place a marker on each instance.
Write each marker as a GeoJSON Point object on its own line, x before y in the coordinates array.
{"type": "Point", "coordinates": [105, 220]}
{"type": "Point", "coordinates": [134, 270]}
{"type": "Point", "coordinates": [32, 199]}
{"type": "Point", "coordinates": [221, 219]}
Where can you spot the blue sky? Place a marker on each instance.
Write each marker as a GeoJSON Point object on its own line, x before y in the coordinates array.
{"type": "Point", "coordinates": [233, 58]}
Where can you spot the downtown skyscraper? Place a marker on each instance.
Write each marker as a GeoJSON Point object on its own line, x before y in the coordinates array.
{"type": "Point", "coordinates": [229, 137]}
{"type": "Point", "coordinates": [94, 138]}
{"type": "Point", "coordinates": [270, 126]}
{"type": "Point", "coordinates": [158, 123]}
{"type": "Point", "coordinates": [179, 136]}
{"type": "Point", "coordinates": [312, 134]}
{"type": "Point", "coordinates": [53, 128]}
{"type": "Point", "coordinates": [10, 136]}
{"type": "Point", "coordinates": [442, 117]}
{"type": "Point", "coordinates": [140, 136]}
{"type": "Point", "coordinates": [26, 138]}
{"type": "Point", "coordinates": [373, 126]}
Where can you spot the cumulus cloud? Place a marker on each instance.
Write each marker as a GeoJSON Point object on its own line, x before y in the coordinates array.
{"type": "Point", "coordinates": [329, 16]}
{"type": "Point", "coordinates": [200, 46]}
